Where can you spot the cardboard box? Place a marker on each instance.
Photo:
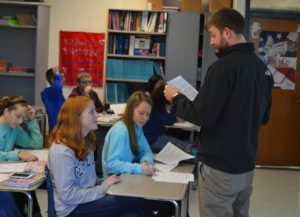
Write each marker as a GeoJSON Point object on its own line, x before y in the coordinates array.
{"type": "Point", "coordinates": [215, 5]}
{"type": "Point", "coordinates": [190, 5]}
{"type": "Point", "coordinates": [156, 5]}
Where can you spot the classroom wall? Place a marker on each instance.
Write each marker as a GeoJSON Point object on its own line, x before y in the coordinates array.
{"type": "Point", "coordinates": [81, 15]}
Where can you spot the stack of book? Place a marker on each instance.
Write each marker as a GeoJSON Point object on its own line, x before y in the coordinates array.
{"type": "Point", "coordinates": [24, 182]}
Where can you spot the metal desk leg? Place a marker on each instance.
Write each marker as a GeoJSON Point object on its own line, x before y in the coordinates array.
{"type": "Point", "coordinates": [184, 204]}
{"type": "Point", "coordinates": [30, 203]}
{"type": "Point", "coordinates": [177, 208]}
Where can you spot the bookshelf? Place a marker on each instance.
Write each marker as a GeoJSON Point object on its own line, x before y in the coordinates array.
{"type": "Point", "coordinates": [24, 36]}
{"type": "Point", "coordinates": [135, 50]}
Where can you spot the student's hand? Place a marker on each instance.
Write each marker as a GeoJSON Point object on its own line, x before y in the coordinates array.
{"type": "Point", "coordinates": [56, 69]}
{"type": "Point", "coordinates": [25, 156]}
{"type": "Point", "coordinates": [170, 91]}
{"type": "Point", "coordinates": [30, 113]}
{"type": "Point", "coordinates": [113, 179]}
{"type": "Point", "coordinates": [179, 120]}
{"type": "Point", "coordinates": [88, 89]}
{"type": "Point", "coordinates": [148, 169]}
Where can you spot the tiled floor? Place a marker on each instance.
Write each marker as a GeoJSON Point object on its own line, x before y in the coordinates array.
{"type": "Point", "coordinates": [276, 193]}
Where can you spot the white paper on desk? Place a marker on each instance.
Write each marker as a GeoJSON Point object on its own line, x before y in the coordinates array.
{"type": "Point", "coordinates": [184, 124]}
{"type": "Point", "coordinates": [41, 154]}
{"type": "Point", "coordinates": [3, 177]}
{"type": "Point", "coordinates": [107, 118]}
{"type": "Point", "coordinates": [173, 177]}
{"type": "Point", "coordinates": [118, 108]}
{"type": "Point", "coordinates": [185, 88]}
{"type": "Point", "coordinates": [12, 167]}
{"type": "Point", "coordinates": [163, 167]}
{"type": "Point", "coordinates": [172, 155]}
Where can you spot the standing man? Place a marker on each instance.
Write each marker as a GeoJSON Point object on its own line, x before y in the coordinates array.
{"type": "Point", "coordinates": [234, 100]}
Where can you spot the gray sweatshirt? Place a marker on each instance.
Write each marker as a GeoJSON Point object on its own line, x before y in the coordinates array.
{"type": "Point", "coordinates": [74, 181]}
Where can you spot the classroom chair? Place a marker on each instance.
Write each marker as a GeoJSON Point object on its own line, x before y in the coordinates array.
{"type": "Point", "coordinates": [51, 206]}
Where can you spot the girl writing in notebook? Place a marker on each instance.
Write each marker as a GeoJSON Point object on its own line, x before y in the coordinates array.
{"type": "Point", "coordinates": [126, 150]}
{"type": "Point", "coordinates": [13, 111]}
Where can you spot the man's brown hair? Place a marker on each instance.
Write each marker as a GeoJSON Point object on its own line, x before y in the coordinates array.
{"type": "Point", "coordinates": [226, 17]}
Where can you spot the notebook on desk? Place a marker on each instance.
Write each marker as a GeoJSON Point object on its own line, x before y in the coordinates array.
{"type": "Point", "coordinates": [24, 182]}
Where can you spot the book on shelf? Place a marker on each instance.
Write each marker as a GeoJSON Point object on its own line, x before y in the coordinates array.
{"type": "Point", "coordinates": [152, 22]}
{"type": "Point", "coordinates": [131, 44]}
{"type": "Point", "coordinates": [144, 21]}
{"type": "Point", "coordinates": [24, 182]}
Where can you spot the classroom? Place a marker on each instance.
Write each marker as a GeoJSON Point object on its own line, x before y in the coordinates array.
{"type": "Point", "coordinates": [111, 52]}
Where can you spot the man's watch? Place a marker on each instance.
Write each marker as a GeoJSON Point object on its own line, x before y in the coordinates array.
{"type": "Point", "coordinates": [174, 95]}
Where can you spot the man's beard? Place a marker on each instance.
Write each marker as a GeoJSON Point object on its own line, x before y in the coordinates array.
{"type": "Point", "coordinates": [223, 44]}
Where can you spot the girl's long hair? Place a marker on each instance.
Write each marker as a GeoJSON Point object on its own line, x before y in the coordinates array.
{"type": "Point", "coordinates": [68, 129]}
{"type": "Point", "coordinates": [134, 100]}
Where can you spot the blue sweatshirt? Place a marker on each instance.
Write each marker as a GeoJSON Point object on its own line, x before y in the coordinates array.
{"type": "Point", "coordinates": [117, 156]}
{"type": "Point", "coordinates": [53, 99]}
{"type": "Point", "coordinates": [74, 181]}
{"type": "Point", "coordinates": [155, 126]}
{"type": "Point", "coordinates": [9, 137]}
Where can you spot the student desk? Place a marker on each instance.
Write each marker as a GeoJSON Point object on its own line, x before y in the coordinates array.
{"type": "Point", "coordinates": [186, 126]}
{"type": "Point", "coordinates": [24, 191]}
{"type": "Point", "coordinates": [145, 187]}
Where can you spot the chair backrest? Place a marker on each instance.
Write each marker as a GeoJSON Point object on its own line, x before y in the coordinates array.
{"type": "Point", "coordinates": [51, 206]}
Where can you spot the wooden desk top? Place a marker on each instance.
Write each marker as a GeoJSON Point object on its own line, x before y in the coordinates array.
{"type": "Point", "coordinates": [144, 186]}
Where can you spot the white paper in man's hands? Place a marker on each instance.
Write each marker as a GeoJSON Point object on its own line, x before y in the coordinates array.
{"type": "Point", "coordinates": [172, 155]}
{"type": "Point", "coordinates": [185, 88]}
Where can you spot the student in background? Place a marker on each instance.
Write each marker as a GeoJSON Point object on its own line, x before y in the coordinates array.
{"type": "Point", "coordinates": [85, 88]}
{"type": "Point", "coordinates": [52, 96]}
{"type": "Point", "coordinates": [126, 149]}
{"type": "Point", "coordinates": [13, 111]}
{"type": "Point", "coordinates": [77, 190]}
{"type": "Point", "coordinates": [154, 129]}
{"type": "Point", "coordinates": [233, 102]}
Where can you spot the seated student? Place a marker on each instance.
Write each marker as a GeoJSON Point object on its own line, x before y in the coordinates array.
{"type": "Point", "coordinates": [13, 110]}
{"type": "Point", "coordinates": [52, 96]}
{"type": "Point", "coordinates": [77, 190]}
{"type": "Point", "coordinates": [154, 129]}
{"type": "Point", "coordinates": [85, 88]}
{"type": "Point", "coordinates": [8, 206]}
{"type": "Point", "coordinates": [126, 149]}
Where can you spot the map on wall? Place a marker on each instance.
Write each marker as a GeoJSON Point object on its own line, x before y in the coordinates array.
{"type": "Point", "coordinates": [82, 51]}
{"type": "Point", "coordinates": [278, 50]}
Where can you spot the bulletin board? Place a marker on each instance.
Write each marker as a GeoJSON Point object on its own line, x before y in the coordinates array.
{"type": "Point", "coordinates": [82, 51]}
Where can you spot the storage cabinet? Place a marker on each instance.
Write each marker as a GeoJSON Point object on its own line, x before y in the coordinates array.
{"type": "Point", "coordinates": [135, 48]}
{"type": "Point", "coordinates": [23, 49]}
{"type": "Point", "coordinates": [206, 53]}
{"type": "Point", "coordinates": [182, 46]}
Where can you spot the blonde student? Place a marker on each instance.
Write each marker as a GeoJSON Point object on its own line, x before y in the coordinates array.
{"type": "Point", "coordinates": [126, 149]}
{"type": "Point", "coordinates": [77, 190]}
{"type": "Point", "coordinates": [15, 111]}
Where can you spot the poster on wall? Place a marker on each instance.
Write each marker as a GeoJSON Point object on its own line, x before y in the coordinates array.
{"type": "Point", "coordinates": [82, 51]}
{"type": "Point", "coordinates": [278, 50]}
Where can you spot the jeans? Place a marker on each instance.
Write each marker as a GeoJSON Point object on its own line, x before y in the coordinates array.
{"type": "Point", "coordinates": [113, 206]}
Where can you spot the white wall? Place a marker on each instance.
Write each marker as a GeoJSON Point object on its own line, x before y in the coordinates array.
{"type": "Point", "coordinates": [81, 15]}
